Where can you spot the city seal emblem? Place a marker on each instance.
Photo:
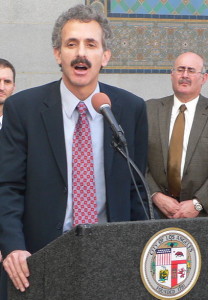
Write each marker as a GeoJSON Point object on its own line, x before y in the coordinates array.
{"type": "Point", "coordinates": [170, 264]}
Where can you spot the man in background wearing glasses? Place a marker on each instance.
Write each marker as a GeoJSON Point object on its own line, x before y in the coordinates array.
{"type": "Point", "coordinates": [177, 171]}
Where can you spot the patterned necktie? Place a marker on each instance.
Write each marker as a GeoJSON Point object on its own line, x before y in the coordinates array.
{"type": "Point", "coordinates": [84, 193]}
{"type": "Point", "coordinates": [175, 154]}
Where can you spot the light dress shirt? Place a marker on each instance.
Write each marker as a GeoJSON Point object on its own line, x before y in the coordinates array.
{"type": "Point", "coordinates": [189, 117]}
{"type": "Point", "coordinates": [70, 117]}
{"type": "Point", "coordinates": [1, 119]}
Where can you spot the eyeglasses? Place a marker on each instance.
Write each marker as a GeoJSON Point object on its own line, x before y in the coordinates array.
{"type": "Point", "coordinates": [190, 71]}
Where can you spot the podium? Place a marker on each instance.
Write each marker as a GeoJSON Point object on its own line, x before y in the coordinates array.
{"type": "Point", "coordinates": [102, 262]}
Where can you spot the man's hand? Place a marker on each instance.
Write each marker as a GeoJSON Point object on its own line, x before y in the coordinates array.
{"type": "Point", "coordinates": [167, 205]}
{"type": "Point", "coordinates": [186, 210]}
{"type": "Point", "coordinates": [16, 266]}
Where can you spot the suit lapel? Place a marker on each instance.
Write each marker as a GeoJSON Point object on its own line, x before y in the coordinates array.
{"type": "Point", "coordinates": [53, 121]}
{"type": "Point", "coordinates": [200, 120]}
{"type": "Point", "coordinates": [165, 110]}
{"type": "Point", "coordinates": [108, 149]}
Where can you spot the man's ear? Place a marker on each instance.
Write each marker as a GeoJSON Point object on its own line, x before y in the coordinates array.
{"type": "Point", "coordinates": [205, 76]}
{"type": "Point", "coordinates": [106, 57]}
{"type": "Point", "coordinates": [57, 54]}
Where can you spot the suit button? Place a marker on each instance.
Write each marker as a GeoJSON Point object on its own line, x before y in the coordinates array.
{"type": "Point", "coordinates": [59, 226]}
{"type": "Point", "coordinates": [65, 189]}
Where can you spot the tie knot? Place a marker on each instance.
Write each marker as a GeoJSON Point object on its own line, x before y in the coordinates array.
{"type": "Point", "coordinates": [182, 108]}
{"type": "Point", "coordinates": [82, 108]}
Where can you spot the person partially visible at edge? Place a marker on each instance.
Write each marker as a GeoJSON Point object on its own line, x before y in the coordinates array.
{"type": "Point", "coordinates": [7, 83]}
{"type": "Point", "coordinates": [188, 75]}
{"type": "Point", "coordinates": [7, 86]}
{"type": "Point", "coordinates": [36, 198]}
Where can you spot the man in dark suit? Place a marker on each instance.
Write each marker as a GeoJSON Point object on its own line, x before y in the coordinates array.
{"type": "Point", "coordinates": [36, 195]}
{"type": "Point", "coordinates": [7, 83]}
{"type": "Point", "coordinates": [7, 86]}
{"type": "Point", "coordinates": [188, 76]}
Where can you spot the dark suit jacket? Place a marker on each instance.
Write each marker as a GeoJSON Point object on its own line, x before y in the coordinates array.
{"type": "Point", "coordinates": [33, 177]}
{"type": "Point", "coordinates": [195, 174]}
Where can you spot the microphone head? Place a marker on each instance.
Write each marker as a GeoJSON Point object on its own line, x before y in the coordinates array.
{"type": "Point", "coordinates": [100, 99]}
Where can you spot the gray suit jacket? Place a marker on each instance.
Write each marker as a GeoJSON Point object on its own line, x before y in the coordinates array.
{"type": "Point", "coordinates": [195, 175]}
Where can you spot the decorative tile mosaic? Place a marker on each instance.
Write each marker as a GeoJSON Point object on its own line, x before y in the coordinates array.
{"type": "Point", "coordinates": [159, 7]}
{"type": "Point", "coordinates": [149, 34]}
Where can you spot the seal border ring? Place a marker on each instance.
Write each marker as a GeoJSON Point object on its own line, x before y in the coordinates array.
{"type": "Point", "coordinates": [144, 255]}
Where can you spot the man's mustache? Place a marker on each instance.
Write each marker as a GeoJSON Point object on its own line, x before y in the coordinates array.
{"type": "Point", "coordinates": [184, 80]}
{"type": "Point", "coordinates": [79, 60]}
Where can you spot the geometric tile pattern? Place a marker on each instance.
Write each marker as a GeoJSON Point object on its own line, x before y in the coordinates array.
{"type": "Point", "coordinates": [149, 34]}
{"type": "Point", "coordinates": [164, 7]}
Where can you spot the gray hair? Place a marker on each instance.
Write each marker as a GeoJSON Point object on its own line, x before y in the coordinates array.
{"type": "Point", "coordinates": [83, 13]}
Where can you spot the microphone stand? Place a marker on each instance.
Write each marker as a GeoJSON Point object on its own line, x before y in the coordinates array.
{"type": "Point", "coordinates": [118, 146]}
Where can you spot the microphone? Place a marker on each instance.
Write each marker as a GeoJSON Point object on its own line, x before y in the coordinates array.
{"type": "Point", "coordinates": [102, 105]}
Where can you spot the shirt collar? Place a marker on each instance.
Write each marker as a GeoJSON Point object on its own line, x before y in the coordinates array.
{"type": "Point", "coordinates": [191, 105]}
{"type": "Point", "coordinates": [70, 101]}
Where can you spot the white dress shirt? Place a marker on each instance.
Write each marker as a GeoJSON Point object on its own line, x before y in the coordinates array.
{"type": "Point", "coordinates": [70, 117]}
{"type": "Point", "coordinates": [189, 117]}
{"type": "Point", "coordinates": [1, 119]}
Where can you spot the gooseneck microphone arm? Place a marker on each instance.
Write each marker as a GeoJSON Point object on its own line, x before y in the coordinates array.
{"type": "Point", "coordinates": [118, 133]}
{"type": "Point", "coordinates": [133, 165]}
{"type": "Point", "coordinates": [102, 105]}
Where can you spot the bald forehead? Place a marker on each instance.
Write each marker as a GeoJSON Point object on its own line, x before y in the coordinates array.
{"type": "Point", "coordinates": [189, 59]}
